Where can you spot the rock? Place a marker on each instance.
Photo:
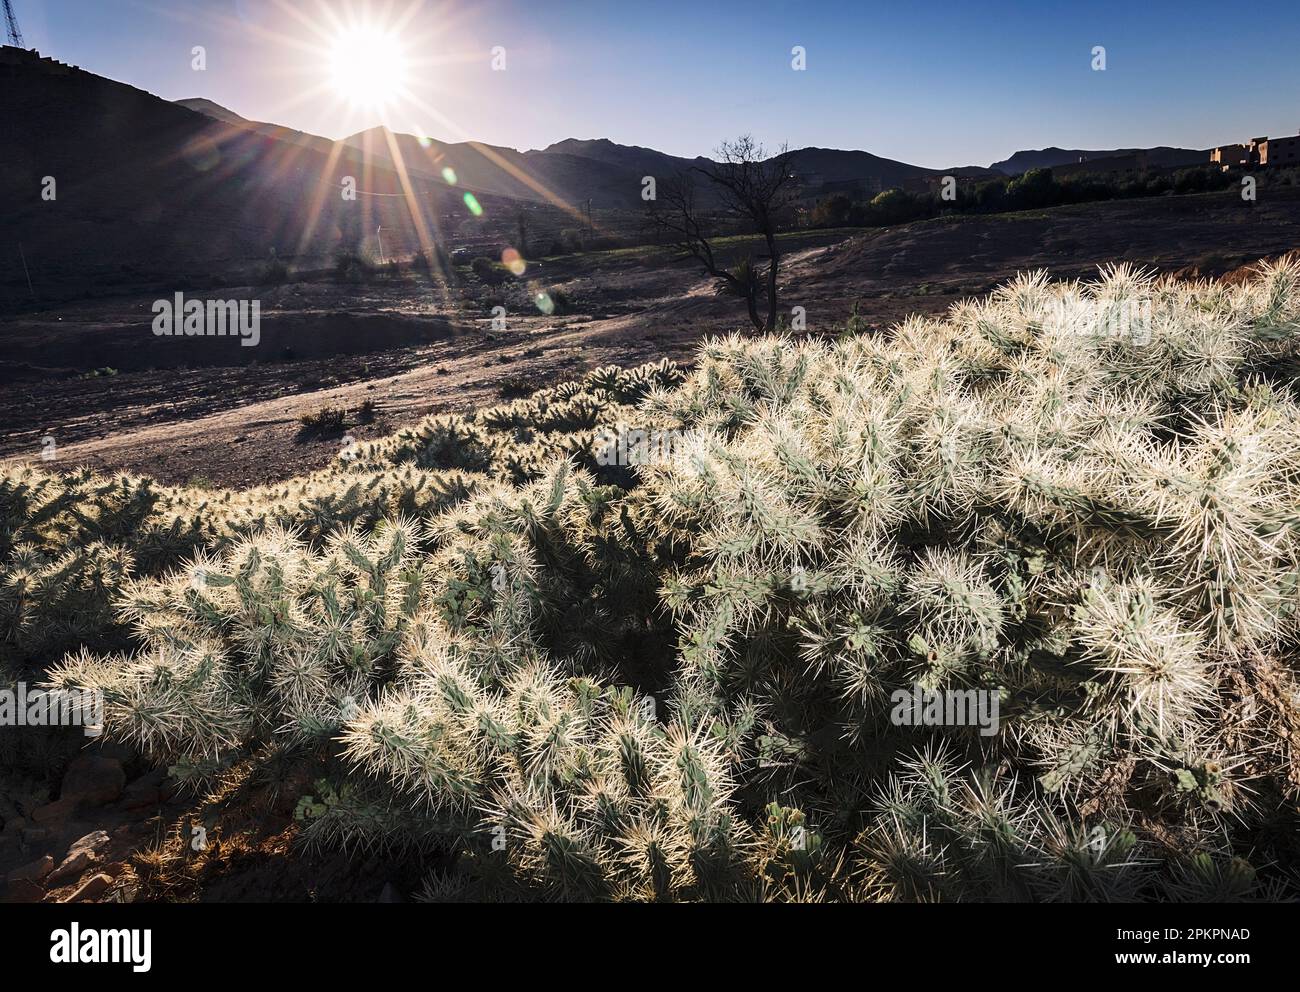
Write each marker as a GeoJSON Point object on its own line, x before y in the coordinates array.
{"type": "Point", "coordinates": [54, 812]}
{"type": "Point", "coordinates": [33, 872]}
{"type": "Point", "coordinates": [390, 893]}
{"type": "Point", "coordinates": [22, 890]}
{"type": "Point", "coordinates": [91, 888]}
{"type": "Point", "coordinates": [14, 826]}
{"type": "Point", "coordinates": [145, 791]}
{"type": "Point", "coordinates": [95, 841]}
{"type": "Point", "coordinates": [115, 868]}
{"type": "Point", "coordinates": [142, 798]}
{"type": "Point", "coordinates": [35, 836]}
{"type": "Point", "coordinates": [93, 781]}
{"type": "Point", "coordinates": [72, 867]}
{"type": "Point", "coordinates": [116, 750]}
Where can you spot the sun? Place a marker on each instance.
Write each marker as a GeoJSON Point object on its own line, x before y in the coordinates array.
{"type": "Point", "coordinates": [368, 66]}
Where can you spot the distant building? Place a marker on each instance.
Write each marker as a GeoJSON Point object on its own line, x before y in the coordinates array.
{"type": "Point", "coordinates": [1281, 151]}
{"type": "Point", "coordinates": [1228, 156]}
{"type": "Point", "coordinates": [1259, 153]}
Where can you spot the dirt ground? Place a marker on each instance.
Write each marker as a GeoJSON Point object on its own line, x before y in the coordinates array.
{"type": "Point", "coordinates": [114, 396]}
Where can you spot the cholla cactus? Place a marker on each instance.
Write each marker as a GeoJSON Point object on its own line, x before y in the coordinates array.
{"type": "Point", "coordinates": [1075, 502]}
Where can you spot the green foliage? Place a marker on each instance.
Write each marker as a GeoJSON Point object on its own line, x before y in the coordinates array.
{"type": "Point", "coordinates": [1033, 190]}
{"type": "Point", "coordinates": [679, 680]}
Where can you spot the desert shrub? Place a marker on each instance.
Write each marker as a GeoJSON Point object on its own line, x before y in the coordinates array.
{"type": "Point", "coordinates": [1191, 180]}
{"type": "Point", "coordinates": [273, 273]}
{"type": "Point", "coordinates": [561, 303]}
{"type": "Point", "coordinates": [833, 211]}
{"type": "Point", "coordinates": [328, 417]}
{"type": "Point", "coordinates": [515, 387]}
{"type": "Point", "coordinates": [1081, 500]}
{"type": "Point", "coordinates": [435, 261]}
{"type": "Point", "coordinates": [352, 266]}
{"type": "Point", "coordinates": [488, 272]}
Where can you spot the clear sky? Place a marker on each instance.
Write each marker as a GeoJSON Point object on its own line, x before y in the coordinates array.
{"type": "Point", "coordinates": [936, 83]}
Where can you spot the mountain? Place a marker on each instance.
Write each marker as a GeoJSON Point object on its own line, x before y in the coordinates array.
{"type": "Point", "coordinates": [220, 113]}
{"type": "Point", "coordinates": [559, 179]}
{"type": "Point", "coordinates": [630, 158]}
{"type": "Point", "coordinates": [213, 110]}
{"type": "Point", "coordinates": [151, 193]}
{"type": "Point", "coordinates": [1162, 157]}
{"type": "Point", "coordinates": [610, 175]}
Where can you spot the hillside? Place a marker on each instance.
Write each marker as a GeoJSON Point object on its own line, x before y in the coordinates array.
{"type": "Point", "coordinates": [406, 346]}
{"type": "Point", "coordinates": [1115, 159]}
{"type": "Point", "coordinates": [150, 193]}
{"type": "Point", "coordinates": [220, 113]}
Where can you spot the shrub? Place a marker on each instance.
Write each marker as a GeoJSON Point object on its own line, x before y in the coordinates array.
{"type": "Point", "coordinates": [352, 266]}
{"type": "Point", "coordinates": [834, 211]}
{"type": "Point", "coordinates": [273, 273]}
{"type": "Point", "coordinates": [682, 681]}
{"type": "Point", "coordinates": [893, 206]}
{"type": "Point", "coordinates": [561, 303]}
{"type": "Point", "coordinates": [327, 417]}
{"type": "Point", "coordinates": [488, 272]}
{"type": "Point", "coordinates": [1036, 188]}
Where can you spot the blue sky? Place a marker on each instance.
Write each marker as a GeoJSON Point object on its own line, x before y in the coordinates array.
{"type": "Point", "coordinates": [941, 83]}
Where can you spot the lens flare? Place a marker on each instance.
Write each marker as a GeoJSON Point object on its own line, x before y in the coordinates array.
{"type": "Point", "coordinates": [514, 261]}
{"type": "Point", "coordinates": [472, 203]}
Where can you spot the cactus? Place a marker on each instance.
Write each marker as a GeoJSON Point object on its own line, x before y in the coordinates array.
{"type": "Point", "coordinates": [1076, 503]}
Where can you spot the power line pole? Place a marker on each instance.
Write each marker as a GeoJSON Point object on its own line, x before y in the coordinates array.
{"type": "Point", "coordinates": [23, 255]}
{"type": "Point", "coordinates": [11, 26]}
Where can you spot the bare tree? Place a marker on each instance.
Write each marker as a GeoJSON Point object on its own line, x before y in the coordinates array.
{"type": "Point", "coordinates": [748, 184]}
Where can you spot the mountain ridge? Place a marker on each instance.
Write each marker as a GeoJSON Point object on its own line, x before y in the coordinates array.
{"type": "Point", "coordinates": [617, 165]}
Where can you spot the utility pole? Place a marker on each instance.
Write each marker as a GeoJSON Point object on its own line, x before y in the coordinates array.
{"type": "Point", "coordinates": [23, 255]}
{"type": "Point", "coordinates": [11, 27]}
